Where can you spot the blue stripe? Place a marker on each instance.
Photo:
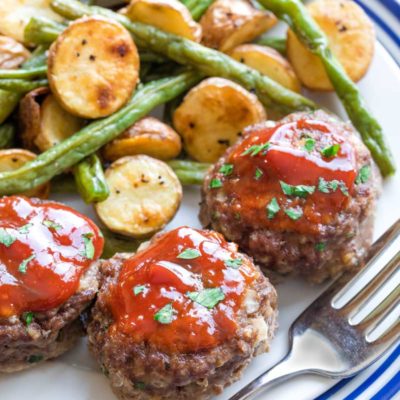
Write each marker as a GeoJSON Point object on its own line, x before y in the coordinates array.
{"type": "Point", "coordinates": [334, 389]}
{"type": "Point", "coordinates": [389, 390]}
{"type": "Point", "coordinates": [393, 6]}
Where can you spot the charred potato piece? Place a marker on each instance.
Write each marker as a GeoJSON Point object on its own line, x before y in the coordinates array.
{"type": "Point", "coordinates": [15, 158]}
{"type": "Point", "coordinates": [15, 15]}
{"type": "Point", "coordinates": [351, 38]}
{"type": "Point", "coordinates": [144, 196]}
{"type": "Point", "coordinates": [269, 62]}
{"type": "Point", "coordinates": [12, 53]}
{"type": "Point", "coordinates": [93, 67]}
{"type": "Point", "coordinates": [148, 136]}
{"type": "Point", "coordinates": [168, 15]}
{"type": "Point", "coordinates": [213, 115]}
{"type": "Point", "coordinates": [229, 23]}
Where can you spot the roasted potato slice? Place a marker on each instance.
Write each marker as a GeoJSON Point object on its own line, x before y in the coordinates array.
{"type": "Point", "coordinates": [144, 196]}
{"type": "Point", "coordinates": [15, 158]}
{"type": "Point", "coordinates": [12, 53]}
{"type": "Point", "coordinates": [228, 23]}
{"type": "Point", "coordinates": [15, 15]}
{"type": "Point", "coordinates": [168, 15]}
{"type": "Point", "coordinates": [351, 39]}
{"type": "Point", "coordinates": [213, 115]}
{"type": "Point", "coordinates": [148, 136]}
{"type": "Point", "coordinates": [269, 62]}
{"type": "Point", "coordinates": [93, 67]}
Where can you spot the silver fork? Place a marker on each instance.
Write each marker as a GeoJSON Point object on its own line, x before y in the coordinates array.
{"type": "Point", "coordinates": [353, 323]}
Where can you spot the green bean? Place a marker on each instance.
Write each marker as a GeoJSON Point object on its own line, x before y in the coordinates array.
{"type": "Point", "coordinates": [295, 14]}
{"type": "Point", "coordinates": [279, 44]}
{"type": "Point", "coordinates": [90, 180]}
{"type": "Point", "coordinates": [189, 172]}
{"type": "Point", "coordinates": [117, 244]}
{"type": "Point", "coordinates": [7, 134]}
{"type": "Point", "coordinates": [208, 61]}
{"type": "Point", "coordinates": [37, 59]}
{"type": "Point", "coordinates": [95, 135]}
{"type": "Point", "coordinates": [41, 30]}
{"type": "Point", "coordinates": [20, 86]}
{"type": "Point", "coordinates": [23, 73]}
{"type": "Point", "coordinates": [197, 7]}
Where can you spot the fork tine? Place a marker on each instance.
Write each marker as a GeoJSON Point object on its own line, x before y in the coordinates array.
{"type": "Point", "coordinates": [387, 326]}
{"type": "Point", "coordinates": [376, 294]}
{"type": "Point", "coordinates": [384, 250]}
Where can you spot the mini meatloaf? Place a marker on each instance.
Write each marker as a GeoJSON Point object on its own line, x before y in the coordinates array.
{"type": "Point", "coordinates": [297, 195]}
{"type": "Point", "coordinates": [181, 318]}
{"type": "Point", "coordinates": [48, 277]}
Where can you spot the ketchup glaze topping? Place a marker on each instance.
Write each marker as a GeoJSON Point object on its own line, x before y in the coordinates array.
{"type": "Point", "coordinates": [293, 176]}
{"type": "Point", "coordinates": [182, 293]}
{"type": "Point", "coordinates": [45, 247]}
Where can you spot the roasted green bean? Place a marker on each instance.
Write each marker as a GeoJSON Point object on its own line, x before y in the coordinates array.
{"type": "Point", "coordinates": [27, 73]}
{"type": "Point", "coordinates": [197, 7]}
{"type": "Point", "coordinates": [18, 87]}
{"type": "Point", "coordinates": [7, 133]}
{"type": "Point", "coordinates": [279, 44]}
{"type": "Point", "coordinates": [189, 172]}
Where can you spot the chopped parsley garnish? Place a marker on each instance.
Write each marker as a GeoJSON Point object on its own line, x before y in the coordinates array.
{"type": "Point", "coordinates": [89, 247]}
{"type": "Point", "coordinates": [258, 174]}
{"type": "Point", "coordinates": [363, 175]}
{"type": "Point", "coordinates": [6, 238]}
{"type": "Point", "coordinates": [257, 148]}
{"type": "Point", "coordinates": [51, 224]}
{"type": "Point", "coordinates": [165, 314]}
{"type": "Point", "coordinates": [343, 188]}
{"type": "Point", "coordinates": [28, 317]}
{"type": "Point", "coordinates": [189, 254]}
{"type": "Point", "coordinates": [331, 151]}
{"type": "Point", "coordinates": [24, 264]}
{"type": "Point", "coordinates": [294, 213]}
{"type": "Point", "coordinates": [25, 229]}
{"type": "Point", "coordinates": [207, 297]}
{"type": "Point", "coordinates": [34, 358]}
{"type": "Point", "coordinates": [272, 208]}
{"type": "Point", "coordinates": [215, 183]}
{"type": "Point", "coordinates": [298, 190]}
{"type": "Point", "coordinates": [139, 385]}
{"type": "Point", "coordinates": [226, 169]}
{"type": "Point", "coordinates": [325, 186]}
{"type": "Point", "coordinates": [309, 144]}
{"type": "Point", "coordinates": [138, 289]}
{"type": "Point", "coordinates": [234, 263]}
{"type": "Point", "coordinates": [320, 246]}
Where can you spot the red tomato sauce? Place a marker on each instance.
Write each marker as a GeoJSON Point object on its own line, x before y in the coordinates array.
{"type": "Point", "coordinates": [165, 279]}
{"type": "Point", "coordinates": [287, 160]}
{"type": "Point", "coordinates": [45, 247]}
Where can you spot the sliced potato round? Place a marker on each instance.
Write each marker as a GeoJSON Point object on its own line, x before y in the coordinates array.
{"type": "Point", "coordinates": [144, 196]}
{"type": "Point", "coordinates": [269, 62]}
{"type": "Point", "coordinates": [12, 53]}
{"type": "Point", "coordinates": [148, 136]}
{"type": "Point", "coordinates": [93, 67]}
{"type": "Point", "coordinates": [12, 159]}
{"type": "Point", "coordinates": [351, 39]}
{"type": "Point", "coordinates": [168, 15]}
{"type": "Point", "coordinates": [228, 23]}
{"type": "Point", "coordinates": [213, 115]}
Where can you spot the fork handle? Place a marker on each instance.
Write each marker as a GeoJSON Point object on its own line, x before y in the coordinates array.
{"type": "Point", "coordinates": [280, 372]}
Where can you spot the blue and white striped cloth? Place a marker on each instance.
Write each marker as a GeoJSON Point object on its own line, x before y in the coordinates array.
{"type": "Point", "coordinates": [381, 381]}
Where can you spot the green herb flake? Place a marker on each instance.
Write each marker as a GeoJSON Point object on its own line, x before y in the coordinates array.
{"type": "Point", "coordinates": [165, 315]}
{"type": "Point", "coordinates": [24, 264]}
{"type": "Point", "coordinates": [234, 263]}
{"type": "Point", "coordinates": [309, 145]}
{"type": "Point", "coordinates": [139, 385]}
{"type": "Point", "coordinates": [298, 190]}
{"type": "Point", "coordinates": [272, 208]}
{"type": "Point", "coordinates": [51, 224]}
{"type": "Point", "coordinates": [34, 358]}
{"type": "Point", "coordinates": [256, 149]}
{"type": "Point", "coordinates": [343, 188]}
{"type": "Point", "coordinates": [320, 246]}
{"type": "Point", "coordinates": [6, 238]}
{"type": "Point", "coordinates": [207, 297]}
{"type": "Point", "coordinates": [325, 186]}
{"type": "Point", "coordinates": [258, 174]}
{"type": "Point", "coordinates": [25, 229]}
{"type": "Point", "coordinates": [215, 183]}
{"type": "Point", "coordinates": [226, 169]}
{"type": "Point", "coordinates": [189, 254]}
{"type": "Point", "coordinates": [330, 151]}
{"type": "Point", "coordinates": [28, 317]}
{"type": "Point", "coordinates": [363, 175]}
{"type": "Point", "coordinates": [294, 213]}
{"type": "Point", "coordinates": [89, 247]}
{"type": "Point", "coordinates": [138, 289]}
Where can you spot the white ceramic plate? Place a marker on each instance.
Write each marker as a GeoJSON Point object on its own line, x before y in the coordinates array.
{"type": "Point", "coordinates": [76, 376]}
